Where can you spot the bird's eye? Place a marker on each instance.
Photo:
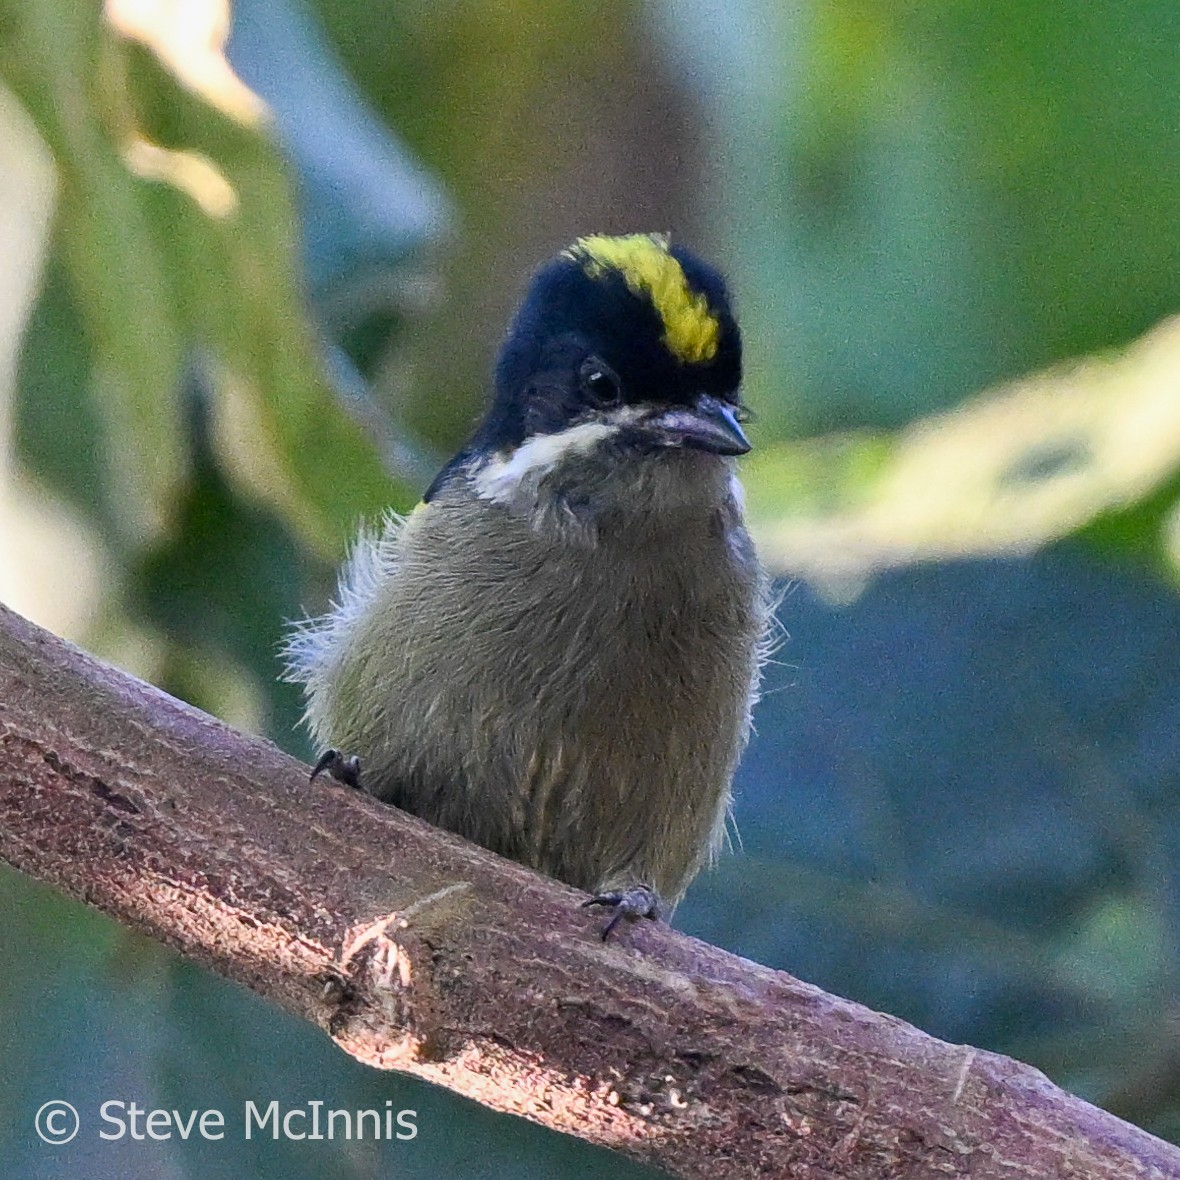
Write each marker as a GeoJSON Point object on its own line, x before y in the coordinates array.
{"type": "Point", "coordinates": [599, 383]}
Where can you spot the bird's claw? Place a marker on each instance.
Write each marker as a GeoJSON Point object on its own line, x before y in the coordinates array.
{"type": "Point", "coordinates": [343, 768]}
{"type": "Point", "coordinates": [640, 901]}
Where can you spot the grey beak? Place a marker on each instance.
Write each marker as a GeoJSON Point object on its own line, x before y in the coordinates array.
{"type": "Point", "coordinates": [711, 425]}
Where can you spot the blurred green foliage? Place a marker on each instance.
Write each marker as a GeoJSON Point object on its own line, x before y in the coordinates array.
{"type": "Point", "coordinates": [253, 332]}
{"type": "Point", "coordinates": [926, 198]}
{"type": "Point", "coordinates": [159, 271]}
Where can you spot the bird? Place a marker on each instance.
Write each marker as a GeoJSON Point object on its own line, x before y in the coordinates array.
{"type": "Point", "coordinates": [556, 654]}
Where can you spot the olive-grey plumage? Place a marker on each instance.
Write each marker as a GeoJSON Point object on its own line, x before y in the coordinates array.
{"type": "Point", "coordinates": [557, 654]}
{"type": "Point", "coordinates": [572, 695]}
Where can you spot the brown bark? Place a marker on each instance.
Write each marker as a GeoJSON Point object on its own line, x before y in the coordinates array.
{"type": "Point", "coordinates": [417, 951]}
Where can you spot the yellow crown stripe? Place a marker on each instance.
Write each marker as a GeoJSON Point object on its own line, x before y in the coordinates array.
{"type": "Point", "coordinates": [691, 330]}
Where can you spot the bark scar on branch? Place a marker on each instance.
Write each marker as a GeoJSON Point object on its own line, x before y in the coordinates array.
{"type": "Point", "coordinates": [969, 1056]}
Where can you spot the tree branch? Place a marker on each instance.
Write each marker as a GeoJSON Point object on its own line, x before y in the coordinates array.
{"type": "Point", "coordinates": [417, 951]}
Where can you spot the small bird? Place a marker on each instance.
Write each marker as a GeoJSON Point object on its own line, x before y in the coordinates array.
{"type": "Point", "coordinates": [557, 652]}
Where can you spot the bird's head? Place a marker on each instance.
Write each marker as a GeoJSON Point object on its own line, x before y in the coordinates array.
{"type": "Point", "coordinates": [623, 347]}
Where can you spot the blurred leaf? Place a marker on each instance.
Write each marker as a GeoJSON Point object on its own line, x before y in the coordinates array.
{"type": "Point", "coordinates": [1117, 950]}
{"type": "Point", "coordinates": [367, 206]}
{"type": "Point", "coordinates": [55, 56]}
{"type": "Point", "coordinates": [1005, 474]}
{"type": "Point", "coordinates": [189, 38]}
{"type": "Point", "coordinates": [371, 217]}
{"type": "Point", "coordinates": [177, 231]}
{"type": "Point", "coordinates": [57, 402]}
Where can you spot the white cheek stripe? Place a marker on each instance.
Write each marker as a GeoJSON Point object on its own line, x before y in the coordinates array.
{"type": "Point", "coordinates": [502, 474]}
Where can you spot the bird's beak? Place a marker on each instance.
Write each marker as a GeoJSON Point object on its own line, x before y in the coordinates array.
{"type": "Point", "coordinates": [710, 425]}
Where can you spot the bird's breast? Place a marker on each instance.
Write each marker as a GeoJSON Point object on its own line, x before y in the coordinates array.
{"type": "Point", "coordinates": [574, 700]}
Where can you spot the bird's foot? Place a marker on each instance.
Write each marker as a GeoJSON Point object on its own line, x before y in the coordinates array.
{"type": "Point", "coordinates": [640, 901]}
{"type": "Point", "coordinates": [344, 768]}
